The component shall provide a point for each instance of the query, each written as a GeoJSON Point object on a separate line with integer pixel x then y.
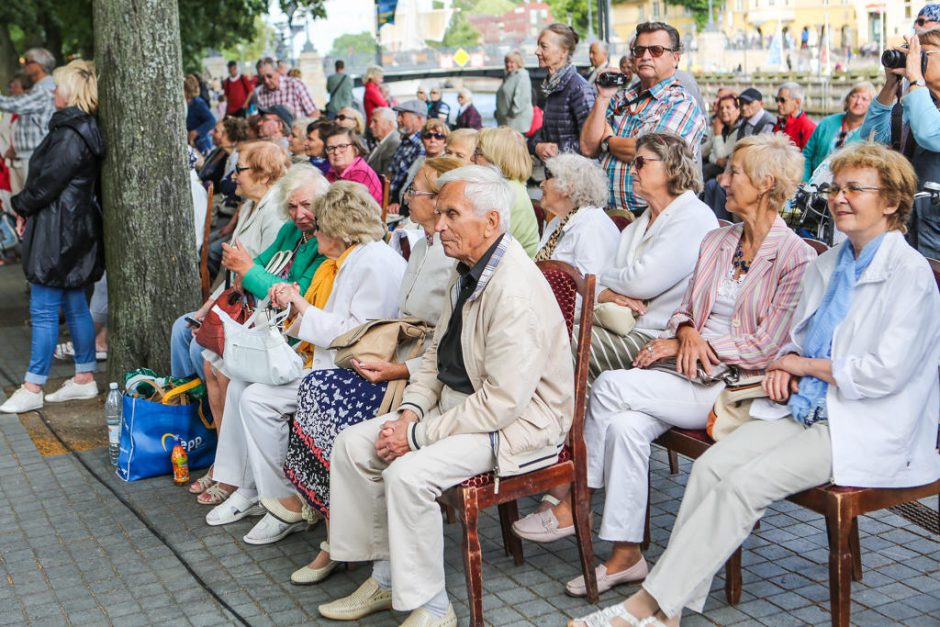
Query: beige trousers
{"type": "Point", "coordinates": [382, 511]}
{"type": "Point", "coordinates": [19, 170]}
{"type": "Point", "coordinates": [730, 488]}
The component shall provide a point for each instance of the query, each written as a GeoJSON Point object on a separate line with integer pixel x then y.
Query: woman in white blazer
{"type": "Point", "coordinates": [853, 399]}
{"type": "Point", "coordinates": [359, 281]}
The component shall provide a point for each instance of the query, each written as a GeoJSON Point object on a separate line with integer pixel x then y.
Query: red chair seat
{"type": "Point", "coordinates": [696, 434]}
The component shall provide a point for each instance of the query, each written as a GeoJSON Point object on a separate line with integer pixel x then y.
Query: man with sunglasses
{"type": "Point", "coordinates": [928, 18]}
{"type": "Point", "coordinates": [411, 117]}
{"type": "Point", "coordinates": [657, 103]}
{"type": "Point", "coordinates": [791, 119]}
{"type": "Point", "coordinates": [283, 90]}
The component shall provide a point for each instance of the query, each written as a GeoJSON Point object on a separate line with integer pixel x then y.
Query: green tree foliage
{"type": "Point", "coordinates": [699, 9]}
{"type": "Point", "coordinates": [493, 7]}
{"type": "Point", "coordinates": [343, 45]}
{"type": "Point", "coordinates": [460, 32]}
{"type": "Point", "coordinates": [578, 11]}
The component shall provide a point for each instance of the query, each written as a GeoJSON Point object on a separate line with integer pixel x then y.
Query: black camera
{"type": "Point", "coordinates": [611, 79]}
{"type": "Point", "coordinates": [897, 59]}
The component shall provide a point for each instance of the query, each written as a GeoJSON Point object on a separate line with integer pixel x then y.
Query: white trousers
{"type": "Point", "coordinates": [730, 488]}
{"type": "Point", "coordinates": [627, 411]}
{"type": "Point", "coordinates": [254, 436]}
{"type": "Point", "coordinates": [381, 511]}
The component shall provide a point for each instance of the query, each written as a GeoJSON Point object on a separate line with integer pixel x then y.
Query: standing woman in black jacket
{"type": "Point", "coordinates": [62, 241]}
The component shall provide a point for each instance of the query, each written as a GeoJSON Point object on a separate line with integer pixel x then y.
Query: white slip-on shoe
{"type": "Point", "coordinates": [306, 575]}
{"type": "Point", "coordinates": [368, 598]}
{"type": "Point", "coordinates": [71, 391]}
{"type": "Point", "coordinates": [22, 401]}
{"type": "Point", "coordinates": [270, 529]}
{"type": "Point", "coordinates": [423, 618]}
{"type": "Point", "coordinates": [233, 509]}
{"type": "Point", "coordinates": [605, 581]}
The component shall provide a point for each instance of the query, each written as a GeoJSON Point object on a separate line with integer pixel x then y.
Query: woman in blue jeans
{"type": "Point", "coordinates": [60, 219]}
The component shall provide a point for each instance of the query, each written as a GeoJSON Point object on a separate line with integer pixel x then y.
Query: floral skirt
{"type": "Point", "coordinates": [328, 402]}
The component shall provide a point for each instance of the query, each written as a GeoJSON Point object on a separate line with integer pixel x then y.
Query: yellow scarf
{"type": "Point", "coordinates": [321, 286]}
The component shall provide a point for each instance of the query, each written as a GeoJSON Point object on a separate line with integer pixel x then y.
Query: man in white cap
{"type": "Point", "coordinates": [412, 115]}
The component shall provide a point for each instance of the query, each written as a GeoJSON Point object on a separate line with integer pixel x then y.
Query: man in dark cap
{"type": "Point", "coordinates": [276, 122]}
{"type": "Point", "coordinates": [756, 120]}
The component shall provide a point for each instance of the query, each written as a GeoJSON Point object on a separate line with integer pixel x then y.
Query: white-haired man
{"type": "Point", "coordinates": [383, 128]}
{"type": "Point", "coordinates": [791, 119]}
{"type": "Point", "coordinates": [494, 392]}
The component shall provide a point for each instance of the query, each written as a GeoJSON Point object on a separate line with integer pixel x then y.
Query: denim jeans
{"type": "Point", "coordinates": [44, 304]}
{"type": "Point", "coordinates": [185, 354]}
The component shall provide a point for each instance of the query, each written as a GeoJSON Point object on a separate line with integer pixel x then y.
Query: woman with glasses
{"type": "Point", "coordinates": [345, 152]}
{"type": "Point", "coordinates": [351, 119]}
{"type": "Point", "coordinates": [331, 400]}
{"type": "Point", "coordinates": [838, 129]}
{"type": "Point", "coordinates": [735, 316]}
{"type": "Point", "coordinates": [567, 97]}
{"type": "Point", "coordinates": [506, 149]}
{"type": "Point", "coordinates": [434, 138]}
{"type": "Point", "coordinates": [852, 397]}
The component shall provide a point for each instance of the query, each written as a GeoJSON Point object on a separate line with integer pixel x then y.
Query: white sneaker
{"type": "Point", "coordinates": [22, 401]}
{"type": "Point", "coordinates": [270, 529]}
{"type": "Point", "coordinates": [71, 391]}
{"type": "Point", "coordinates": [234, 509]}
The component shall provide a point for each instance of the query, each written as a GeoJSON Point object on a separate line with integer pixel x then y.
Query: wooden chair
{"type": "Point", "coordinates": [621, 217]}
{"type": "Point", "coordinates": [478, 492]}
{"type": "Point", "coordinates": [539, 216]}
{"type": "Point", "coordinates": [386, 190]}
{"type": "Point", "coordinates": [815, 244]}
{"type": "Point", "coordinates": [204, 278]}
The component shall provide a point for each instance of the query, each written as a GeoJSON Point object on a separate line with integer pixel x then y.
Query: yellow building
{"type": "Point", "coordinates": [627, 14]}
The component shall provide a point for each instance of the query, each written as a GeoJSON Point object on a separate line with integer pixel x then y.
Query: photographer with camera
{"type": "Point", "coordinates": [657, 103]}
{"type": "Point", "coordinates": [909, 121]}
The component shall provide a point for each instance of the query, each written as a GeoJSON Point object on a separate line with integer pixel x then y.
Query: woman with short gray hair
{"type": "Point", "coordinates": [514, 96]}
{"type": "Point", "coordinates": [838, 129]}
{"type": "Point", "coordinates": [467, 115]}
{"type": "Point", "coordinates": [575, 191]}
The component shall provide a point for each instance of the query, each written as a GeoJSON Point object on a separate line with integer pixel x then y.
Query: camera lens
{"type": "Point", "coordinates": [894, 59]}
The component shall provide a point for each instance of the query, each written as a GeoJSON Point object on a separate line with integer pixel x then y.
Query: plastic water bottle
{"type": "Point", "coordinates": [113, 407]}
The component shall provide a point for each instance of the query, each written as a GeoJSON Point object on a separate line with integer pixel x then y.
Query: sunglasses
{"type": "Point", "coordinates": [437, 136]}
{"type": "Point", "coordinates": [920, 21]}
{"type": "Point", "coordinates": [337, 147]}
{"type": "Point", "coordinates": [781, 100]}
{"type": "Point", "coordinates": [655, 51]}
{"type": "Point", "coordinates": [639, 162]}
{"type": "Point", "coordinates": [241, 168]}
{"type": "Point", "coordinates": [342, 117]}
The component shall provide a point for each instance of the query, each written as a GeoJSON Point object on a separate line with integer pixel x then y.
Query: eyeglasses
{"type": "Point", "coordinates": [849, 191]}
{"type": "Point", "coordinates": [655, 51]}
{"type": "Point", "coordinates": [430, 135]}
{"type": "Point", "coordinates": [241, 168]}
{"type": "Point", "coordinates": [411, 193]}
{"type": "Point", "coordinates": [639, 162]}
{"type": "Point", "coordinates": [337, 147]}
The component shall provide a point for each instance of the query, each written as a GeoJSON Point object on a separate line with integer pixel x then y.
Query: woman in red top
{"type": "Point", "coordinates": [373, 96]}
{"type": "Point", "coordinates": [344, 151]}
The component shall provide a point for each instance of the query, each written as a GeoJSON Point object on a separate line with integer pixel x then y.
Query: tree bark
{"type": "Point", "coordinates": [9, 61]}
{"type": "Point", "coordinates": [148, 210]}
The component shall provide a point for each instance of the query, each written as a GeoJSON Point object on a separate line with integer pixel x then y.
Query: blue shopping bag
{"type": "Point", "coordinates": [149, 429]}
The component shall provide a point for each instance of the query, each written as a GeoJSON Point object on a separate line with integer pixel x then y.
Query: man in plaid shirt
{"type": "Point", "coordinates": [284, 90]}
{"type": "Point", "coordinates": [411, 117]}
{"type": "Point", "coordinates": [35, 109]}
{"type": "Point", "coordinates": [657, 103]}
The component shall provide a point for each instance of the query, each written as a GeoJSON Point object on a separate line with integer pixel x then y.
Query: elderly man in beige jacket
{"type": "Point", "coordinates": [494, 392]}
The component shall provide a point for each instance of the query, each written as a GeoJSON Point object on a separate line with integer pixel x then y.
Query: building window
{"type": "Point", "coordinates": [642, 13]}
{"type": "Point", "coordinates": [655, 9]}
{"type": "Point", "coordinates": [739, 5]}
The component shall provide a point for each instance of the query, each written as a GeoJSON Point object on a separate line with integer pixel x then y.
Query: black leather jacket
{"type": "Point", "coordinates": [64, 245]}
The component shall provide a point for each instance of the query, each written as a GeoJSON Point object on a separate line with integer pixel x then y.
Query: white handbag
{"type": "Point", "coordinates": [611, 316]}
{"type": "Point", "coordinates": [259, 354]}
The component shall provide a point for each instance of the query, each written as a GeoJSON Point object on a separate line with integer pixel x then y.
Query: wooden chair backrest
{"type": "Point", "coordinates": [204, 278]}
{"type": "Point", "coordinates": [567, 284]}
{"type": "Point", "coordinates": [386, 190]}
{"type": "Point", "coordinates": [935, 266]}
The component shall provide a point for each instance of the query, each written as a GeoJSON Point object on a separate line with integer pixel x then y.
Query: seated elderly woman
{"type": "Point", "coordinates": [297, 139]}
{"type": "Point", "coordinates": [507, 150]}
{"type": "Point", "coordinates": [581, 234]}
{"type": "Point", "coordinates": [359, 282]}
{"type": "Point", "coordinates": [345, 151]}
{"type": "Point", "coordinates": [261, 165]}
{"type": "Point", "coordinates": [332, 400]}
{"type": "Point", "coordinates": [314, 145]}
{"type": "Point", "coordinates": [461, 144]}
{"type": "Point", "coordinates": [351, 119]}
{"type": "Point", "coordinates": [735, 315]}
{"type": "Point", "coordinates": [434, 136]}
{"type": "Point", "coordinates": [865, 346]}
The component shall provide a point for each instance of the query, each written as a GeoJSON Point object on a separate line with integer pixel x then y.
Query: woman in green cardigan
{"type": "Point", "coordinates": [838, 129]}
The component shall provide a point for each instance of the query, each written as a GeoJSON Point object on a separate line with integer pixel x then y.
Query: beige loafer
{"type": "Point", "coordinates": [369, 598]}
{"type": "Point", "coordinates": [423, 618]}
{"type": "Point", "coordinates": [307, 576]}
{"type": "Point", "coordinates": [605, 581]}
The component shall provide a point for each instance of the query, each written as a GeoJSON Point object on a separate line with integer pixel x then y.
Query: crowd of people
{"type": "Point", "coordinates": [676, 213]}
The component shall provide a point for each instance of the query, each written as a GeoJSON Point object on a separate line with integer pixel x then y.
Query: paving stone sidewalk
{"type": "Point", "coordinates": [72, 553]}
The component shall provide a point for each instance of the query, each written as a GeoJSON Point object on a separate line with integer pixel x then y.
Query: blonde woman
{"type": "Point", "coordinates": [461, 144]}
{"type": "Point", "coordinates": [62, 240]}
{"type": "Point", "coordinates": [507, 150]}
{"type": "Point", "coordinates": [372, 99]}
{"type": "Point", "coordinates": [351, 119]}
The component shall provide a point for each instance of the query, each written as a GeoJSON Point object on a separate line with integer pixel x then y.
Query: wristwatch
{"type": "Point", "coordinates": [605, 144]}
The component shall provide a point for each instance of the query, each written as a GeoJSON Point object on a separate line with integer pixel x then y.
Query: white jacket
{"type": "Point", "coordinates": [366, 288]}
{"type": "Point", "coordinates": [655, 265]}
{"type": "Point", "coordinates": [589, 241]}
{"type": "Point", "coordinates": [885, 354]}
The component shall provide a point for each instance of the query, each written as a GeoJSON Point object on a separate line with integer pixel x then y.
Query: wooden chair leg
{"type": "Point", "coordinates": [581, 506]}
{"type": "Point", "coordinates": [472, 557]}
{"type": "Point", "coordinates": [646, 529]}
{"type": "Point", "coordinates": [856, 547]}
{"type": "Point", "coordinates": [840, 566]}
{"type": "Point", "coordinates": [673, 463]}
{"type": "Point", "coordinates": [733, 577]}
{"type": "Point", "coordinates": [512, 545]}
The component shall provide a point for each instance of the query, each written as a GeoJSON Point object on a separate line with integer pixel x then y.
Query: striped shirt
{"type": "Point", "coordinates": [666, 106]}
{"type": "Point", "coordinates": [35, 109]}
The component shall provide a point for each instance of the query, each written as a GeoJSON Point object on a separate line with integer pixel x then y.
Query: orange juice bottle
{"type": "Point", "coordinates": [180, 461]}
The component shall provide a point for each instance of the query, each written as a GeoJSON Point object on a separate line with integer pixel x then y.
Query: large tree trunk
{"type": "Point", "coordinates": [148, 209]}
{"type": "Point", "coordinates": [9, 62]}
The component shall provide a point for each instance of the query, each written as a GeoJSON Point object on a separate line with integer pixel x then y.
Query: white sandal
{"type": "Point", "coordinates": [602, 618]}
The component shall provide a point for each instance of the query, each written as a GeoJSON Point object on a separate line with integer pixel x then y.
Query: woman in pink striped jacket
{"type": "Point", "coordinates": [736, 314]}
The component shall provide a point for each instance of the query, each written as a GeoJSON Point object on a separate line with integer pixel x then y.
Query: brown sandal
{"type": "Point", "coordinates": [215, 494]}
